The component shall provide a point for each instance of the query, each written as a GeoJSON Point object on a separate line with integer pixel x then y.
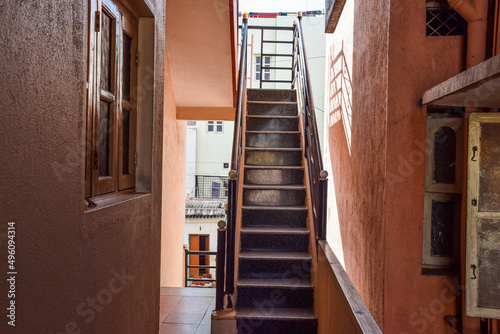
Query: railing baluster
{"type": "Point", "coordinates": [221, 250]}
{"type": "Point", "coordinates": [317, 176]}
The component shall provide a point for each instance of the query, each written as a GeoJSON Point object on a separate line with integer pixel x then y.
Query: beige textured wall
{"type": "Point", "coordinates": [65, 256]}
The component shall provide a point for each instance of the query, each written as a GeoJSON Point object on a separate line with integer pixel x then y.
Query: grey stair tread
{"type": "Point", "coordinates": [274, 167]}
{"type": "Point", "coordinates": [273, 132]}
{"type": "Point", "coordinates": [270, 90]}
{"type": "Point", "coordinates": [275, 283]}
{"type": "Point", "coordinates": [272, 116]}
{"type": "Point", "coordinates": [274, 230]}
{"type": "Point", "coordinates": [290, 149]}
{"type": "Point", "coordinates": [272, 102]}
{"type": "Point", "coordinates": [273, 187]}
{"type": "Point", "coordinates": [276, 313]}
{"type": "Point", "coordinates": [275, 256]}
{"type": "Point", "coordinates": [290, 208]}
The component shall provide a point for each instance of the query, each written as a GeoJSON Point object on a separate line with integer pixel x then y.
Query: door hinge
{"type": "Point", "coordinates": [135, 159]}
{"type": "Point", "coordinates": [96, 160]}
{"type": "Point", "coordinates": [137, 58]}
{"type": "Point", "coordinates": [97, 27]}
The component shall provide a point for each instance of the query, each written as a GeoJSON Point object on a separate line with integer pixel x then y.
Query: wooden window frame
{"type": "Point", "coordinates": [123, 22]}
{"type": "Point", "coordinates": [433, 126]}
{"type": "Point", "coordinates": [441, 192]}
{"type": "Point", "coordinates": [441, 262]}
{"type": "Point", "coordinates": [473, 215]}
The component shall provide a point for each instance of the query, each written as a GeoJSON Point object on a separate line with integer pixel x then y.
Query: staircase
{"type": "Point", "coordinates": [274, 289]}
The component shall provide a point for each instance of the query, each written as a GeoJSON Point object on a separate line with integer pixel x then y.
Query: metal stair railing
{"type": "Point", "coordinates": [226, 239]}
{"type": "Point", "coordinates": [317, 177]}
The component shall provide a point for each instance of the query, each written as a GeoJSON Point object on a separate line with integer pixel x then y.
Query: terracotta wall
{"type": "Point", "coordinates": [357, 147]}
{"type": "Point", "coordinates": [377, 172]}
{"type": "Point", "coordinates": [338, 306]}
{"type": "Point", "coordinates": [413, 303]}
{"type": "Point", "coordinates": [66, 257]}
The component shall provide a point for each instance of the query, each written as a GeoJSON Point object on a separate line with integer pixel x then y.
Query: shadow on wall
{"type": "Point", "coordinates": [339, 142]}
{"type": "Point", "coordinates": [340, 93]}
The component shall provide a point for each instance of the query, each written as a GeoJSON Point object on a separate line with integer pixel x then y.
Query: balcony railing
{"type": "Point", "coordinates": [203, 270]}
{"type": "Point", "coordinates": [208, 186]}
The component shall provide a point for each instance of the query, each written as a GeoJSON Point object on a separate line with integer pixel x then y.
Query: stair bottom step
{"type": "Point", "coordinates": [261, 326]}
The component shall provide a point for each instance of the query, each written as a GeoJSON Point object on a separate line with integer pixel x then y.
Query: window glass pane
{"type": "Point", "coordinates": [219, 127]}
{"type": "Point", "coordinates": [267, 75]}
{"type": "Point", "coordinates": [215, 189]}
{"type": "Point", "coordinates": [210, 126]}
{"type": "Point", "coordinates": [104, 129]}
{"type": "Point", "coordinates": [125, 141]}
{"type": "Point", "coordinates": [443, 218]}
{"type": "Point", "coordinates": [257, 59]}
{"type": "Point", "coordinates": [106, 52]}
{"type": "Point", "coordinates": [267, 60]}
{"type": "Point", "coordinates": [488, 270]}
{"type": "Point", "coordinates": [257, 68]}
{"type": "Point", "coordinates": [445, 143]}
{"type": "Point", "coordinates": [489, 175]}
{"type": "Point", "coordinates": [127, 45]}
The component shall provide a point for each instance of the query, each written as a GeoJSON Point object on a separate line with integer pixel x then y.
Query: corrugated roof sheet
{"type": "Point", "coordinates": [205, 208]}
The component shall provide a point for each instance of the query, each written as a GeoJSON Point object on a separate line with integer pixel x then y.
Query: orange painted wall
{"type": "Point", "coordinates": [358, 175]}
{"type": "Point", "coordinates": [173, 185]}
{"type": "Point", "coordinates": [378, 170]}
{"type": "Point", "coordinates": [413, 303]}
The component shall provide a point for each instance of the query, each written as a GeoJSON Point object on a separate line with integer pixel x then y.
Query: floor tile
{"type": "Point", "coordinates": [166, 308]}
{"type": "Point", "coordinates": [184, 318]}
{"type": "Point", "coordinates": [178, 329]}
{"type": "Point", "coordinates": [190, 308]}
{"type": "Point", "coordinates": [186, 310]}
{"type": "Point", "coordinates": [163, 316]}
{"type": "Point", "coordinates": [203, 329]}
{"type": "Point", "coordinates": [195, 300]}
{"type": "Point", "coordinates": [207, 318]}
{"type": "Point", "coordinates": [170, 299]}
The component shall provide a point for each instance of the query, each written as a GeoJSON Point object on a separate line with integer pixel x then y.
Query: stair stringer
{"type": "Point", "coordinates": [239, 204]}
{"type": "Point", "coordinates": [313, 251]}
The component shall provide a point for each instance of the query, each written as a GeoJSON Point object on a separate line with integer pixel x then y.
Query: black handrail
{"type": "Point", "coordinates": [235, 165]}
{"type": "Point", "coordinates": [318, 181]}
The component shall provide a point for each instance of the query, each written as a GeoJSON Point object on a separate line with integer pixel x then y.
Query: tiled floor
{"type": "Point", "coordinates": [186, 310]}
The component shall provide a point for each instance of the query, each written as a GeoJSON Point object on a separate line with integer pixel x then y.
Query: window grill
{"type": "Point", "coordinates": [211, 186]}
{"type": "Point", "coordinates": [444, 22]}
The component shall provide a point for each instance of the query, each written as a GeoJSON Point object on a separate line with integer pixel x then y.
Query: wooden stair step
{"type": "Point", "coordinates": [274, 230]}
{"type": "Point", "coordinates": [295, 256]}
{"type": "Point", "coordinates": [290, 314]}
{"type": "Point", "coordinates": [288, 283]}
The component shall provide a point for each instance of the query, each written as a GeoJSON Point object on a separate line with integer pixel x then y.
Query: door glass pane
{"type": "Point", "coordinates": [127, 46]}
{"type": "Point", "coordinates": [203, 258]}
{"type": "Point", "coordinates": [488, 271]}
{"type": "Point", "coordinates": [443, 218]}
{"type": "Point", "coordinates": [445, 143]}
{"type": "Point", "coordinates": [125, 141]}
{"type": "Point", "coordinates": [106, 51]}
{"type": "Point", "coordinates": [489, 175]}
{"type": "Point", "coordinates": [104, 129]}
